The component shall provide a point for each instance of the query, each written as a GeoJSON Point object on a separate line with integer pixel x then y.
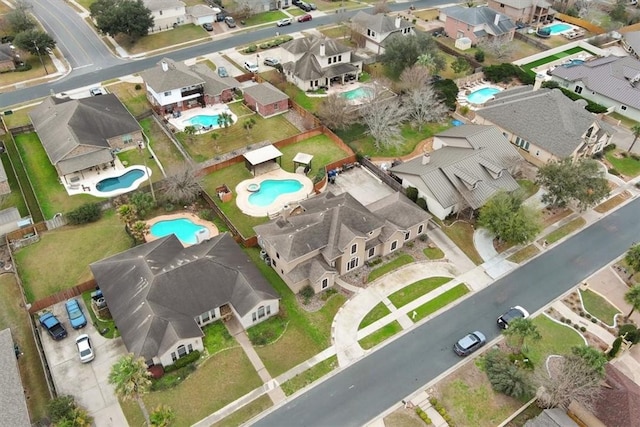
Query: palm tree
{"type": "Point", "coordinates": [632, 258]}
{"type": "Point", "coordinates": [635, 130]}
{"type": "Point", "coordinates": [183, 186]}
{"type": "Point", "coordinates": [633, 297]}
{"type": "Point", "coordinates": [128, 214]}
{"type": "Point", "coordinates": [190, 131]}
{"type": "Point", "coordinates": [518, 332]}
{"type": "Point", "coordinates": [225, 120]}
{"type": "Point", "coordinates": [131, 380]}
{"type": "Point", "coordinates": [162, 416]}
{"type": "Point", "coordinates": [139, 230]}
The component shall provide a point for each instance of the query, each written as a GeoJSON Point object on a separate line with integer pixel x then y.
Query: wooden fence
{"type": "Point", "coordinates": [62, 296]}
{"type": "Point", "coordinates": [246, 242]}
{"type": "Point", "coordinates": [451, 51]}
{"type": "Point", "coordinates": [592, 28]}
{"type": "Point", "coordinates": [530, 40]}
{"type": "Point", "coordinates": [22, 129]}
{"type": "Point", "coordinates": [384, 177]}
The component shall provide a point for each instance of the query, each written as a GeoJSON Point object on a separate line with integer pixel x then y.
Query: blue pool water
{"type": "Point", "coordinates": [270, 189]}
{"type": "Point", "coordinates": [204, 121]}
{"type": "Point", "coordinates": [184, 228]}
{"type": "Point", "coordinates": [356, 94]}
{"type": "Point", "coordinates": [456, 122]}
{"type": "Point", "coordinates": [481, 96]}
{"type": "Point", "coordinates": [558, 28]}
{"type": "Point", "coordinates": [119, 182]}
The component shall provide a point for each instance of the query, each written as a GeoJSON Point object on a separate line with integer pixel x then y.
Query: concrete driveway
{"type": "Point", "coordinates": [86, 382]}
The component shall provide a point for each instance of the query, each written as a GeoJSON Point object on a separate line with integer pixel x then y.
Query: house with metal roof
{"type": "Point", "coordinates": [527, 12]}
{"type": "Point", "coordinates": [630, 40]}
{"type": "Point", "coordinates": [161, 294]}
{"type": "Point", "coordinates": [477, 24]}
{"type": "Point", "coordinates": [610, 81]}
{"type": "Point", "coordinates": [327, 236]}
{"type": "Point", "coordinates": [313, 62]}
{"type": "Point", "coordinates": [468, 165]}
{"type": "Point", "coordinates": [172, 86]}
{"type": "Point", "coordinates": [374, 30]}
{"type": "Point", "coordinates": [266, 99]}
{"type": "Point", "coordinates": [83, 134]}
{"type": "Point", "coordinates": [12, 394]}
{"type": "Point", "coordinates": [546, 125]}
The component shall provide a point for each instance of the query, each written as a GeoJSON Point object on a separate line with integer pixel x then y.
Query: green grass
{"type": "Point", "coordinates": [165, 39]}
{"type": "Point", "coordinates": [598, 306]}
{"type": "Point", "coordinates": [433, 253]}
{"type": "Point", "coordinates": [264, 18]}
{"type": "Point", "coordinates": [529, 188]}
{"type": "Point", "coordinates": [217, 338]}
{"type": "Point", "coordinates": [556, 339]}
{"type": "Point", "coordinates": [564, 231]}
{"type": "Point", "coordinates": [135, 100]}
{"type": "Point", "coordinates": [61, 258]}
{"type": "Point", "coordinates": [415, 290]}
{"type": "Point", "coordinates": [627, 166]}
{"type": "Point", "coordinates": [14, 198]}
{"type": "Point", "coordinates": [376, 313]}
{"type": "Point", "coordinates": [321, 147]}
{"type": "Point", "coordinates": [440, 301]}
{"type": "Point", "coordinates": [298, 96]}
{"type": "Point", "coordinates": [336, 32]}
{"type": "Point", "coordinates": [392, 265]}
{"type": "Point", "coordinates": [245, 413]}
{"type": "Point", "coordinates": [462, 235]}
{"type": "Point", "coordinates": [268, 331]}
{"type": "Point", "coordinates": [380, 335]}
{"type": "Point", "coordinates": [528, 67]}
{"type": "Point", "coordinates": [524, 254]}
{"type": "Point", "coordinates": [625, 121]}
{"type": "Point", "coordinates": [309, 376]}
{"type": "Point", "coordinates": [170, 157]}
{"type": "Point", "coordinates": [22, 178]}
{"type": "Point", "coordinates": [100, 324]}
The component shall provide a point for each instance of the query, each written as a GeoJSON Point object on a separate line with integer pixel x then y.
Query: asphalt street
{"type": "Point", "coordinates": [360, 392]}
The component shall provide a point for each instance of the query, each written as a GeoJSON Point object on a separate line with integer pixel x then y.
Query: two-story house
{"type": "Point", "coordinates": [631, 41]}
{"type": "Point", "coordinates": [546, 125]}
{"type": "Point", "coordinates": [172, 86]}
{"type": "Point", "coordinates": [166, 13]}
{"type": "Point", "coordinates": [327, 236]}
{"type": "Point", "coordinates": [312, 62]}
{"type": "Point", "coordinates": [525, 12]}
{"type": "Point", "coordinates": [478, 24]}
{"type": "Point", "coordinates": [374, 30]}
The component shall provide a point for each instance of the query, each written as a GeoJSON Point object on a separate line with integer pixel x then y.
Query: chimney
{"type": "Point", "coordinates": [398, 21]}
{"type": "Point", "coordinates": [322, 49]}
{"type": "Point", "coordinates": [426, 158]}
{"type": "Point", "coordinates": [165, 66]}
{"type": "Point", "coordinates": [496, 19]}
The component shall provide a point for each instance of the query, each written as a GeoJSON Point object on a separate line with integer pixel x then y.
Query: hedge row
{"type": "Point", "coordinates": [268, 44]}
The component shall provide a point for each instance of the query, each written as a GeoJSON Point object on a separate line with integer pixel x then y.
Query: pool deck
{"type": "Point", "coordinates": [542, 69]}
{"type": "Point", "coordinates": [88, 179]}
{"type": "Point", "coordinates": [213, 230]}
{"type": "Point", "coordinates": [242, 194]}
{"type": "Point", "coordinates": [472, 87]}
{"type": "Point", "coordinates": [209, 110]}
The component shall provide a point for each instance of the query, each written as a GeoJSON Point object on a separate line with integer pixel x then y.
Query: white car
{"type": "Point", "coordinates": [283, 22]}
{"type": "Point", "coordinates": [251, 66]}
{"type": "Point", "coordinates": [85, 350]}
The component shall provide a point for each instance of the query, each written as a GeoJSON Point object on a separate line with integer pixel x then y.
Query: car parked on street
{"type": "Point", "coordinates": [283, 22]}
{"type": "Point", "coordinates": [85, 349]}
{"type": "Point", "coordinates": [516, 312]}
{"type": "Point", "coordinates": [222, 72]}
{"type": "Point", "coordinates": [76, 316]}
{"type": "Point", "coordinates": [208, 26]}
{"type": "Point", "coordinates": [271, 62]}
{"type": "Point", "coordinates": [251, 66]}
{"type": "Point", "coordinates": [305, 18]}
{"type": "Point", "coordinates": [231, 23]}
{"type": "Point", "coordinates": [96, 91]}
{"type": "Point", "coordinates": [53, 326]}
{"type": "Point", "coordinates": [469, 343]}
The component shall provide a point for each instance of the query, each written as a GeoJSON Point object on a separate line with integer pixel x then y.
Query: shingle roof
{"type": "Point", "coordinates": [380, 23]}
{"type": "Point", "coordinates": [14, 411]}
{"type": "Point", "coordinates": [265, 93]}
{"type": "Point", "coordinates": [619, 400]}
{"type": "Point", "coordinates": [609, 76]}
{"type": "Point", "coordinates": [312, 44]}
{"type": "Point", "coordinates": [155, 290]}
{"type": "Point", "coordinates": [551, 418]}
{"type": "Point", "coordinates": [544, 117]}
{"type": "Point", "coordinates": [200, 10]}
{"type": "Point", "coordinates": [74, 133]}
{"type": "Point", "coordinates": [480, 16]}
{"type": "Point", "coordinates": [632, 38]}
{"type": "Point", "coordinates": [474, 172]}
{"type": "Point", "coordinates": [523, 4]}
{"type": "Point", "coordinates": [162, 4]}
{"type": "Point", "coordinates": [213, 83]}
{"type": "Point", "coordinates": [177, 75]}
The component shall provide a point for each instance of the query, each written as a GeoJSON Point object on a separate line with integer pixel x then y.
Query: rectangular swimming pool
{"type": "Point", "coordinates": [558, 28]}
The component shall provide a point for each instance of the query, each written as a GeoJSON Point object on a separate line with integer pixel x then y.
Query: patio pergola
{"type": "Point", "coordinates": [262, 160]}
{"type": "Point", "coordinates": [302, 160]}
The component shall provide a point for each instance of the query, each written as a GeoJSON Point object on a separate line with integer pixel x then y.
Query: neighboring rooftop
{"type": "Point", "coordinates": [481, 15]}
{"type": "Point", "coordinates": [619, 400]}
{"type": "Point", "coordinates": [381, 23]}
{"type": "Point", "coordinates": [14, 411]}
{"type": "Point", "coordinates": [265, 93]}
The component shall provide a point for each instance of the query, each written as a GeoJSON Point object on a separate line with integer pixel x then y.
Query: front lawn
{"type": "Point", "coordinates": [598, 307]}
{"type": "Point", "coordinates": [433, 253]}
{"type": "Point", "coordinates": [376, 313]}
{"type": "Point", "coordinates": [415, 290]}
{"type": "Point", "coordinates": [623, 163]}
{"type": "Point", "coordinates": [556, 339]}
{"type": "Point", "coordinates": [380, 335]}
{"type": "Point", "coordinates": [524, 254]}
{"type": "Point", "coordinates": [61, 258]}
{"type": "Point", "coordinates": [245, 413]}
{"type": "Point", "coordinates": [264, 18]}
{"type": "Point", "coordinates": [440, 301]}
{"type": "Point", "coordinates": [217, 338]}
{"type": "Point", "coordinates": [563, 231]}
{"type": "Point", "coordinates": [612, 202]}
{"type": "Point", "coordinates": [462, 235]}
{"type": "Point", "coordinates": [394, 264]}
{"type": "Point", "coordinates": [529, 188]}
{"type": "Point", "coordinates": [164, 39]}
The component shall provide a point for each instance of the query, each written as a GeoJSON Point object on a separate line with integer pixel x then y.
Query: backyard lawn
{"type": "Point", "coordinates": [134, 99]}
{"type": "Point", "coordinates": [14, 198]}
{"type": "Point", "coordinates": [321, 147]}
{"type": "Point", "coordinates": [167, 153]}
{"type": "Point", "coordinates": [61, 258]}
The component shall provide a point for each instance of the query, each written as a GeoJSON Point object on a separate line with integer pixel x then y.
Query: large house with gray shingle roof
{"type": "Point", "coordinates": [469, 164]}
{"type": "Point", "coordinates": [611, 81]}
{"type": "Point", "coordinates": [476, 23]}
{"type": "Point", "coordinates": [173, 86]}
{"type": "Point", "coordinates": [376, 29]}
{"type": "Point", "coordinates": [546, 125]}
{"type": "Point", "coordinates": [530, 12]}
{"type": "Point", "coordinates": [313, 62]}
{"type": "Point", "coordinates": [327, 236]}
{"type": "Point", "coordinates": [161, 294]}
{"type": "Point", "coordinates": [81, 134]}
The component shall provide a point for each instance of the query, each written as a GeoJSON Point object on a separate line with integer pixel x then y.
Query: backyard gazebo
{"type": "Point", "coordinates": [263, 159]}
{"type": "Point", "coordinates": [302, 161]}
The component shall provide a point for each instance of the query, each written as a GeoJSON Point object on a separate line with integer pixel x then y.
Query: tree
{"type": "Point", "coordinates": [519, 331]}
{"type": "Point", "coordinates": [432, 61]}
{"type": "Point", "coordinates": [19, 18]}
{"type": "Point", "coordinates": [139, 230]}
{"type": "Point", "coordinates": [414, 77]}
{"type": "Point", "coordinates": [225, 120]}
{"type": "Point", "coordinates": [498, 47]}
{"type": "Point", "coordinates": [635, 130]}
{"type": "Point", "coordinates": [381, 7]}
{"type": "Point", "coordinates": [128, 214]}
{"type": "Point", "coordinates": [34, 41]}
{"type": "Point", "coordinates": [143, 203]}
{"type": "Point", "coordinates": [460, 65]}
{"type": "Point", "coordinates": [448, 92]}
{"type": "Point", "coordinates": [248, 125]}
{"type": "Point", "coordinates": [336, 112]}
{"type": "Point", "coordinates": [162, 416]}
{"type": "Point", "coordinates": [129, 17]}
{"type": "Point", "coordinates": [243, 10]}
{"type": "Point", "coordinates": [183, 186]}
{"type": "Point", "coordinates": [402, 51]}
{"type": "Point", "coordinates": [130, 378]}
{"type": "Point", "coordinates": [509, 219]}
{"type": "Point", "coordinates": [632, 258]}
{"type": "Point", "coordinates": [632, 296]}
{"type": "Point", "coordinates": [592, 357]}
{"type": "Point", "coordinates": [64, 411]}
{"type": "Point", "coordinates": [619, 12]}
{"type": "Point", "coordinates": [504, 376]}
{"type": "Point", "coordinates": [190, 131]}
{"type": "Point", "coordinates": [383, 118]}
{"type": "Point", "coordinates": [582, 181]}
{"type": "Point", "coordinates": [424, 106]}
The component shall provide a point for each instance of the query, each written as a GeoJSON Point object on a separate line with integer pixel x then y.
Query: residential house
{"type": "Point", "coordinates": [4, 181]}
{"type": "Point", "coordinates": [555, 417]}
{"type": "Point", "coordinates": [545, 124]}
{"type": "Point", "coordinates": [612, 81]}
{"type": "Point", "coordinates": [468, 165]}
{"type": "Point", "coordinates": [266, 99]}
{"type": "Point", "coordinates": [8, 57]}
{"type": "Point", "coordinates": [312, 62]}
{"type": "Point", "coordinates": [525, 12]}
{"type": "Point", "coordinates": [329, 235]}
{"type": "Point", "coordinates": [200, 14]}
{"type": "Point", "coordinates": [12, 393]}
{"type": "Point", "coordinates": [161, 294]}
{"type": "Point", "coordinates": [83, 134]}
{"type": "Point", "coordinates": [167, 14]}
{"type": "Point", "coordinates": [374, 30]}
{"type": "Point", "coordinates": [631, 42]}
{"type": "Point", "coordinates": [173, 86]}
{"type": "Point", "coordinates": [10, 220]}
{"type": "Point", "coordinates": [478, 24]}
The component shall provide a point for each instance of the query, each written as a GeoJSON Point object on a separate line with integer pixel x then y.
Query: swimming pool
{"type": "Point", "coordinates": [481, 96]}
{"type": "Point", "coordinates": [356, 94]}
{"type": "Point", "coordinates": [558, 28]}
{"type": "Point", "coordinates": [270, 189]}
{"type": "Point", "coordinates": [185, 229]}
{"type": "Point", "coordinates": [204, 121]}
{"type": "Point", "coordinates": [119, 182]}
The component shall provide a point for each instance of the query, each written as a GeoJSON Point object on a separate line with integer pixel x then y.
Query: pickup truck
{"type": "Point", "coordinates": [53, 326]}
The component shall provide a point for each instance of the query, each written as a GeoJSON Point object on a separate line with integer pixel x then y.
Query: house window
{"type": "Point", "coordinates": [372, 252]}
{"type": "Point", "coordinates": [330, 59]}
{"type": "Point", "coordinates": [623, 107]}
{"type": "Point", "coordinates": [206, 317]}
{"type": "Point", "coordinates": [420, 228]}
{"type": "Point", "coordinates": [578, 89]}
{"type": "Point", "coordinates": [589, 131]}
{"type": "Point", "coordinates": [354, 248]}
{"type": "Point", "coordinates": [339, 58]}
{"type": "Point", "coordinates": [160, 12]}
{"type": "Point", "coordinates": [278, 255]}
{"type": "Point", "coordinates": [352, 264]}
{"type": "Point", "coordinates": [254, 317]}
{"type": "Point", "coordinates": [373, 33]}
{"type": "Point", "coordinates": [127, 139]}
{"type": "Point", "coordinates": [325, 283]}
{"type": "Point", "coordinates": [407, 234]}
{"type": "Point", "coordinates": [173, 356]}
{"type": "Point", "coordinates": [537, 152]}
{"type": "Point", "coordinates": [167, 93]}
{"type": "Point", "coordinates": [268, 310]}
{"type": "Point", "coordinates": [394, 245]}
{"type": "Point", "coordinates": [260, 312]}
{"type": "Point", "coordinates": [368, 32]}
{"type": "Point", "coordinates": [276, 106]}
{"type": "Point", "coordinates": [190, 348]}
{"type": "Point", "coordinates": [182, 351]}
{"type": "Point", "coordinates": [501, 4]}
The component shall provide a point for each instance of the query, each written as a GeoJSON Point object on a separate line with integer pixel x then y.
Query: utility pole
{"type": "Point", "coordinates": [40, 57]}
{"type": "Point", "coordinates": [144, 159]}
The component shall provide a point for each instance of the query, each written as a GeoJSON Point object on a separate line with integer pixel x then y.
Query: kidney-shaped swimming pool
{"type": "Point", "coordinates": [270, 189]}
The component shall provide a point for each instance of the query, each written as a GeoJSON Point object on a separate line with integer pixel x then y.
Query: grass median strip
{"type": "Point", "coordinates": [564, 231]}
{"type": "Point", "coordinates": [380, 335]}
{"type": "Point", "coordinates": [392, 265]}
{"type": "Point", "coordinates": [415, 290]}
{"type": "Point", "coordinates": [245, 413]}
{"type": "Point", "coordinates": [309, 376]}
{"type": "Point", "coordinates": [440, 301]}
{"type": "Point", "coordinates": [598, 307]}
{"type": "Point", "coordinates": [524, 254]}
{"type": "Point", "coordinates": [376, 313]}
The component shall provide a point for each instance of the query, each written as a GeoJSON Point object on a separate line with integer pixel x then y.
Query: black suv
{"type": "Point", "coordinates": [305, 6]}
{"type": "Point", "coordinates": [516, 312]}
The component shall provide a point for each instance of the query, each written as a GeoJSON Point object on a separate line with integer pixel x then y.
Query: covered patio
{"type": "Point", "coordinates": [302, 163]}
{"type": "Point", "coordinates": [263, 160]}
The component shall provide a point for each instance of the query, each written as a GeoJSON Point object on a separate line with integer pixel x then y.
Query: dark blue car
{"type": "Point", "coordinates": [76, 316]}
{"type": "Point", "coordinates": [53, 326]}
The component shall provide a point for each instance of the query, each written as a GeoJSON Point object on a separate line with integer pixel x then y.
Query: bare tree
{"type": "Point", "coordinates": [381, 7]}
{"type": "Point", "coordinates": [383, 117]}
{"type": "Point", "coordinates": [183, 186]}
{"type": "Point", "coordinates": [414, 77]}
{"type": "Point", "coordinates": [336, 112]}
{"type": "Point", "coordinates": [357, 34]}
{"type": "Point", "coordinates": [498, 47]}
{"type": "Point", "coordinates": [425, 106]}
{"type": "Point", "coordinates": [243, 10]}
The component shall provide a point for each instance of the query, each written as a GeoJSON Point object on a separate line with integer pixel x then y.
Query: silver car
{"type": "Point", "coordinates": [85, 349]}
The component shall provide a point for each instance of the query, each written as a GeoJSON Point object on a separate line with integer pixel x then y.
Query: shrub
{"type": "Point", "coordinates": [609, 147]}
{"type": "Point", "coordinates": [423, 237]}
{"type": "Point", "coordinates": [479, 55]}
{"type": "Point", "coordinates": [505, 377]}
{"type": "Point", "coordinates": [24, 67]}
{"type": "Point", "coordinates": [423, 415]}
{"type": "Point", "coordinates": [583, 328]}
{"type": "Point", "coordinates": [594, 320]}
{"type": "Point", "coordinates": [624, 154]}
{"type": "Point", "coordinates": [183, 361]}
{"type": "Point", "coordinates": [615, 348]}
{"type": "Point", "coordinates": [172, 377]}
{"type": "Point", "coordinates": [635, 157]}
{"type": "Point", "coordinates": [576, 326]}
{"type": "Point", "coordinates": [627, 329]}
{"type": "Point", "coordinates": [138, 86]}
{"type": "Point", "coordinates": [588, 315]}
{"type": "Point", "coordinates": [422, 203]}
{"type": "Point", "coordinates": [89, 212]}
{"type": "Point", "coordinates": [464, 110]}
{"type": "Point", "coordinates": [412, 193]}
{"type": "Point", "coordinates": [307, 293]}
{"type": "Point", "coordinates": [567, 321]}
{"type": "Point", "coordinates": [614, 171]}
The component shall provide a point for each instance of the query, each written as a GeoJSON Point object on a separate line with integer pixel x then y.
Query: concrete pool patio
{"type": "Point", "coordinates": [211, 110]}
{"type": "Point", "coordinates": [213, 230]}
{"type": "Point", "coordinates": [86, 182]}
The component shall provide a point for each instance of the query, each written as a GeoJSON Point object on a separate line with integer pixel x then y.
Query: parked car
{"type": "Point", "coordinates": [305, 18]}
{"type": "Point", "coordinates": [222, 72]}
{"type": "Point", "coordinates": [296, 2]}
{"type": "Point", "coordinates": [305, 6]}
{"type": "Point", "coordinates": [76, 316]}
{"type": "Point", "coordinates": [271, 62]}
{"type": "Point", "coordinates": [516, 312]}
{"type": "Point", "coordinates": [312, 6]}
{"type": "Point", "coordinates": [208, 26]}
{"type": "Point", "coordinates": [85, 349]}
{"type": "Point", "coordinates": [283, 22]}
{"type": "Point", "coordinates": [96, 91]}
{"type": "Point", "coordinates": [231, 23]}
{"type": "Point", "coordinates": [221, 16]}
{"type": "Point", "coordinates": [53, 326]}
{"type": "Point", "coordinates": [469, 343]}
{"type": "Point", "coordinates": [251, 66]}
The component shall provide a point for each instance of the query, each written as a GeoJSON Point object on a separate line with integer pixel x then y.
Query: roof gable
{"type": "Point", "coordinates": [170, 75]}
{"type": "Point", "coordinates": [381, 23]}
{"type": "Point", "coordinates": [482, 15]}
